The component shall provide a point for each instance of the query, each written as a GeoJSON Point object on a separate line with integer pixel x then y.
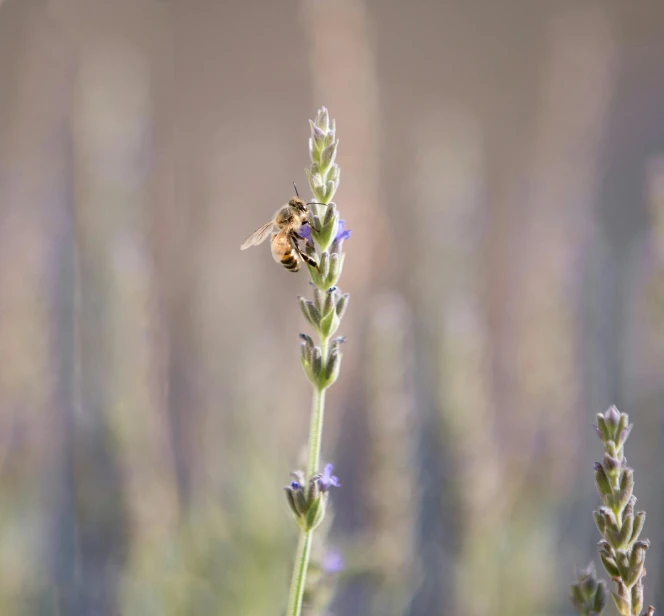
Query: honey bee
{"type": "Point", "coordinates": [287, 221]}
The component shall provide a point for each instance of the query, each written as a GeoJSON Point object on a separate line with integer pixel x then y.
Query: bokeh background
{"type": "Point", "coordinates": [503, 174]}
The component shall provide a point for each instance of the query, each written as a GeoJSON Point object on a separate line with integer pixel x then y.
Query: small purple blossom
{"type": "Point", "coordinates": [296, 485]}
{"type": "Point", "coordinates": [342, 232]}
{"type": "Point", "coordinates": [333, 561]}
{"type": "Point", "coordinates": [327, 479]}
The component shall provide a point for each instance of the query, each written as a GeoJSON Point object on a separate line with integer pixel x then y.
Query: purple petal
{"type": "Point", "coordinates": [327, 479]}
{"type": "Point", "coordinates": [333, 561]}
{"type": "Point", "coordinates": [342, 232]}
{"type": "Point", "coordinates": [305, 232]}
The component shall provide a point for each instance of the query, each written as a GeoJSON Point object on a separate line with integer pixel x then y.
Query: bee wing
{"type": "Point", "coordinates": [258, 236]}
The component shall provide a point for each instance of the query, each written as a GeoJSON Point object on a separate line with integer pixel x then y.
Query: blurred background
{"type": "Point", "coordinates": [503, 175]}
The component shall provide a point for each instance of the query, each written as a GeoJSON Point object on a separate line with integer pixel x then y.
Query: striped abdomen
{"type": "Point", "coordinates": [284, 252]}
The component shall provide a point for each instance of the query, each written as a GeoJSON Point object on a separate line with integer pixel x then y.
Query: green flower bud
{"type": "Point", "coordinates": [331, 298]}
{"type": "Point", "coordinates": [623, 435]}
{"type": "Point", "coordinates": [637, 596]}
{"type": "Point", "coordinates": [611, 465]}
{"type": "Point", "coordinates": [334, 173]}
{"type": "Point", "coordinates": [607, 556]}
{"type": "Point", "coordinates": [316, 364]}
{"type": "Point", "coordinates": [602, 481]}
{"type": "Point", "coordinates": [599, 600]}
{"type": "Point", "coordinates": [327, 157]}
{"type": "Point", "coordinates": [318, 298]}
{"type": "Point", "coordinates": [610, 565]}
{"type": "Point", "coordinates": [639, 521]}
{"type": "Point", "coordinates": [306, 348]}
{"type": "Point", "coordinates": [342, 304]}
{"type": "Point", "coordinates": [623, 605]}
{"type": "Point", "coordinates": [638, 555]}
{"type": "Point", "coordinates": [329, 324]}
{"type": "Point", "coordinates": [317, 135]}
{"type": "Point", "coordinates": [330, 189]}
{"type": "Point", "coordinates": [316, 512]}
{"type": "Point", "coordinates": [323, 119]}
{"type": "Point", "coordinates": [600, 522]}
{"type": "Point", "coordinates": [324, 268]}
{"type": "Point", "coordinates": [336, 265]}
{"type": "Point", "coordinates": [612, 417]}
{"type": "Point", "coordinates": [602, 429]}
{"type": "Point", "coordinates": [626, 530]}
{"type": "Point", "coordinates": [623, 423]}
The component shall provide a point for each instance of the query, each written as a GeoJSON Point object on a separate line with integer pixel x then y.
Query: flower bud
{"type": "Point", "coordinates": [307, 348]}
{"type": "Point", "coordinates": [332, 368]}
{"type": "Point", "coordinates": [599, 600]}
{"type": "Point", "coordinates": [342, 304]}
{"type": "Point", "coordinates": [639, 521]}
{"type": "Point", "coordinates": [623, 423]}
{"type": "Point", "coordinates": [329, 324]}
{"type": "Point", "coordinates": [330, 300]}
{"type": "Point", "coordinates": [336, 265]}
{"type": "Point", "coordinates": [611, 465]}
{"type": "Point", "coordinates": [600, 522]}
{"type": "Point", "coordinates": [612, 418]}
{"type": "Point", "coordinates": [623, 605]}
{"type": "Point", "coordinates": [610, 565]}
{"type": "Point", "coordinates": [334, 173]}
{"type": "Point", "coordinates": [318, 297]}
{"type": "Point", "coordinates": [602, 429]}
{"type": "Point", "coordinates": [316, 362]}
{"type": "Point", "coordinates": [626, 530]}
{"type": "Point", "coordinates": [327, 157]}
{"type": "Point", "coordinates": [330, 213]}
{"type": "Point", "coordinates": [624, 435]}
{"type": "Point", "coordinates": [323, 119]}
{"type": "Point", "coordinates": [317, 135]}
{"type": "Point", "coordinates": [602, 481]}
{"type": "Point", "coordinates": [637, 596]}
{"type": "Point", "coordinates": [324, 268]}
{"type": "Point", "coordinates": [638, 554]}
{"type": "Point", "coordinates": [331, 188]}
{"type": "Point", "coordinates": [316, 225]}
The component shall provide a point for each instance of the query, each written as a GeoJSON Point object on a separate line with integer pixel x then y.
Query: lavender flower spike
{"type": "Point", "coordinates": [621, 549]}
{"type": "Point", "coordinates": [324, 235]}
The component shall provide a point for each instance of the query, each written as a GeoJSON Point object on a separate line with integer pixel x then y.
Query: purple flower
{"type": "Point", "coordinates": [327, 479]}
{"type": "Point", "coordinates": [333, 561]}
{"type": "Point", "coordinates": [342, 232]}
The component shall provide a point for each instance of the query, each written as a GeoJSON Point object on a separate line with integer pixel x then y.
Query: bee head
{"type": "Point", "coordinates": [300, 205]}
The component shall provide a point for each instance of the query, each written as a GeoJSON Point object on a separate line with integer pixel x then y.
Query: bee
{"type": "Point", "coordinates": [287, 221]}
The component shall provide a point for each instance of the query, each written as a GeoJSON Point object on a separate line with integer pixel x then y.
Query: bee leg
{"type": "Point", "coordinates": [304, 256]}
{"type": "Point", "coordinates": [308, 260]}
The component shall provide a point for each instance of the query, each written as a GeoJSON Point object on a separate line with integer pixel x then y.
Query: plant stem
{"type": "Point", "coordinates": [316, 425]}
{"type": "Point", "coordinates": [304, 545]}
{"type": "Point", "coordinates": [299, 574]}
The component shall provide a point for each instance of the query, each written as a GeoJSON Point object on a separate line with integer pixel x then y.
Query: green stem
{"type": "Point", "coordinates": [316, 425]}
{"type": "Point", "coordinates": [304, 546]}
{"type": "Point", "coordinates": [299, 574]}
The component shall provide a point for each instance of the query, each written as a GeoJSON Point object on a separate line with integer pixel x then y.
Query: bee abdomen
{"type": "Point", "coordinates": [290, 261]}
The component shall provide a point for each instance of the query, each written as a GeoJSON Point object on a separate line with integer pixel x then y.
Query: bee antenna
{"type": "Point", "coordinates": [297, 193]}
